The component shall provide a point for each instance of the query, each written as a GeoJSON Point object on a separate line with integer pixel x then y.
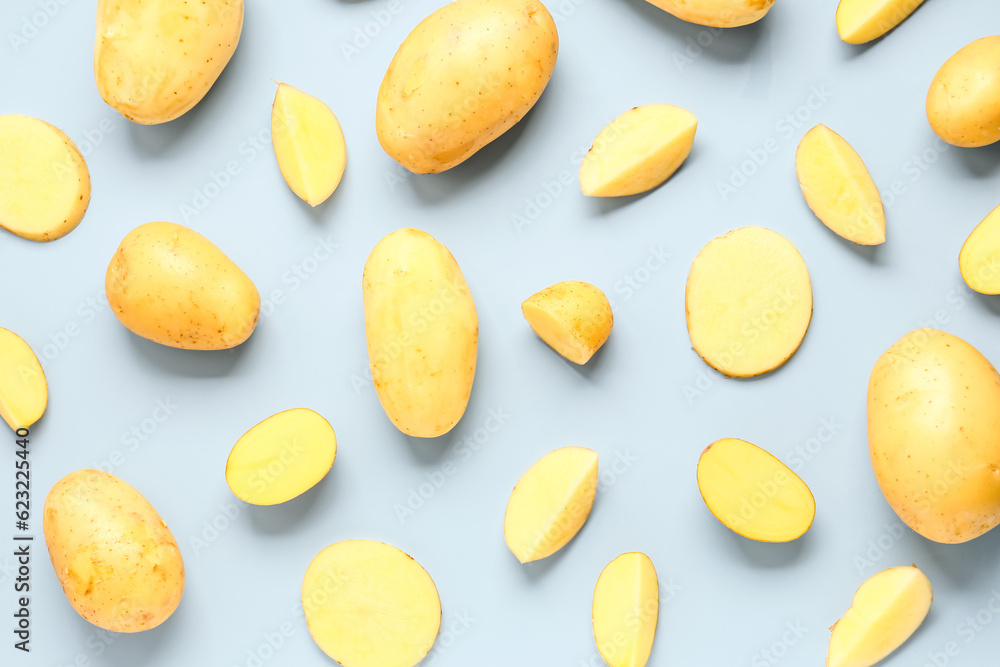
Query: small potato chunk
{"type": "Point", "coordinates": [887, 610]}
{"type": "Point", "coordinates": [638, 151]}
{"type": "Point", "coordinates": [754, 494]}
{"type": "Point", "coordinates": [861, 21]}
{"type": "Point", "coordinates": [308, 143]}
{"type": "Point", "coordinates": [963, 102]}
{"type": "Point", "coordinates": [24, 392]}
{"type": "Point", "coordinates": [550, 503]}
{"type": "Point", "coordinates": [626, 607]}
{"type": "Point", "coordinates": [368, 604]}
{"type": "Point", "coordinates": [716, 13]}
{"type": "Point", "coordinates": [979, 260]}
{"type": "Point", "coordinates": [838, 187]}
{"type": "Point", "coordinates": [44, 181]}
{"type": "Point", "coordinates": [574, 318]}
{"type": "Point", "coordinates": [749, 301]}
{"type": "Point", "coordinates": [282, 457]}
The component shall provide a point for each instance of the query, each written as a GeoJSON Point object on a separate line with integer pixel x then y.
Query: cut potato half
{"type": "Point", "coordinates": [368, 604]}
{"type": "Point", "coordinates": [550, 503]}
{"type": "Point", "coordinates": [626, 608]}
{"type": "Point", "coordinates": [24, 392]}
{"type": "Point", "coordinates": [838, 187]}
{"type": "Point", "coordinates": [861, 21]}
{"type": "Point", "coordinates": [749, 301]}
{"type": "Point", "coordinates": [44, 181]}
{"type": "Point", "coordinates": [754, 494]}
{"type": "Point", "coordinates": [638, 151]}
{"type": "Point", "coordinates": [886, 611]}
{"type": "Point", "coordinates": [574, 318]}
{"type": "Point", "coordinates": [979, 260]}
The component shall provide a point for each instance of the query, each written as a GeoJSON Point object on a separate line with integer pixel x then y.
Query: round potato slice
{"type": "Point", "coordinates": [369, 604]}
{"type": "Point", "coordinates": [282, 457]}
{"type": "Point", "coordinates": [44, 181]}
{"type": "Point", "coordinates": [749, 301]}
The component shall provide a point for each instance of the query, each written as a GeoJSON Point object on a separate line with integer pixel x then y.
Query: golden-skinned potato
{"type": "Point", "coordinates": [573, 317]}
{"type": "Point", "coordinates": [861, 21]}
{"type": "Point", "coordinates": [963, 103]}
{"type": "Point", "coordinates": [24, 393]}
{"type": "Point", "coordinates": [716, 13]}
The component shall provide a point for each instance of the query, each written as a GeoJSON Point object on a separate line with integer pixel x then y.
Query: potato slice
{"type": "Point", "coordinates": [44, 181]}
{"type": "Point", "coordinates": [838, 187]}
{"type": "Point", "coordinates": [368, 604]}
{"type": "Point", "coordinates": [282, 457]}
{"type": "Point", "coordinates": [638, 151]}
{"type": "Point", "coordinates": [716, 13]}
{"type": "Point", "coordinates": [308, 143]}
{"type": "Point", "coordinates": [979, 260]}
{"type": "Point", "coordinates": [754, 494]}
{"type": "Point", "coordinates": [749, 301]}
{"type": "Point", "coordinates": [887, 610]}
{"type": "Point", "coordinates": [574, 318]}
{"type": "Point", "coordinates": [24, 393]}
{"type": "Point", "coordinates": [626, 606]}
{"type": "Point", "coordinates": [550, 503]}
{"type": "Point", "coordinates": [861, 21]}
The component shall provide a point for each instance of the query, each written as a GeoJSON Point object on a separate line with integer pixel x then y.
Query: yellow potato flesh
{"type": "Point", "coordinates": [979, 260]}
{"type": "Point", "coordinates": [465, 75]}
{"type": "Point", "coordinates": [861, 21]}
{"type": "Point", "coordinates": [44, 181]}
{"type": "Point", "coordinates": [574, 318]}
{"type": "Point", "coordinates": [749, 301]}
{"type": "Point", "coordinates": [934, 435]}
{"type": "Point", "coordinates": [155, 59]}
{"type": "Point", "coordinates": [308, 144]}
{"type": "Point", "coordinates": [171, 285]}
{"type": "Point", "coordinates": [638, 151]}
{"type": "Point", "coordinates": [963, 102]}
{"type": "Point", "coordinates": [626, 607]}
{"type": "Point", "coordinates": [838, 187]}
{"type": "Point", "coordinates": [282, 457]}
{"type": "Point", "coordinates": [550, 503]}
{"type": "Point", "coordinates": [887, 609]}
{"type": "Point", "coordinates": [422, 332]}
{"type": "Point", "coordinates": [24, 392]}
{"type": "Point", "coordinates": [716, 13]}
{"type": "Point", "coordinates": [117, 562]}
{"type": "Point", "coordinates": [369, 604]}
{"type": "Point", "coordinates": [753, 493]}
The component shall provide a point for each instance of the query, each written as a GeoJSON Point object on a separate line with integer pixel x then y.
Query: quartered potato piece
{"type": "Point", "coordinates": [24, 392]}
{"type": "Point", "coordinates": [574, 318]}
{"type": "Point", "coordinates": [979, 260]}
{"type": "Point", "coordinates": [861, 21]}
{"type": "Point", "coordinates": [626, 608]}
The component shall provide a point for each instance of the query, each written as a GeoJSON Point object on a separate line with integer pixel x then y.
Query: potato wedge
{"type": "Point", "coordinates": [638, 151]}
{"type": "Point", "coordinates": [963, 102]}
{"type": "Point", "coordinates": [838, 187]}
{"type": "Point", "coordinates": [24, 393]}
{"type": "Point", "coordinates": [308, 144]}
{"type": "Point", "coordinates": [368, 604]}
{"type": "Point", "coordinates": [574, 318]}
{"type": "Point", "coordinates": [749, 302]}
{"type": "Point", "coordinates": [861, 21]}
{"type": "Point", "coordinates": [625, 611]}
{"type": "Point", "coordinates": [753, 493]}
{"type": "Point", "coordinates": [44, 180]}
{"type": "Point", "coordinates": [979, 260]}
{"type": "Point", "coordinates": [550, 503]}
{"type": "Point", "coordinates": [887, 609]}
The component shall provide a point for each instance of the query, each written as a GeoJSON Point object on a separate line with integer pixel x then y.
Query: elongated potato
{"type": "Point", "coordinates": [573, 317]}
{"type": "Point", "coordinates": [625, 611]}
{"type": "Point", "coordinates": [369, 604]}
{"type": "Point", "coordinates": [155, 59]}
{"type": "Point", "coordinates": [861, 21]}
{"type": "Point", "coordinates": [171, 285]}
{"type": "Point", "coordinates": [44, 181]}
{"type": "Point", "coordinates": [24, 393]}
{"type": "Point", "coordinates": [422, 332]}
{"type": "Point", "coordinates": [716, 13]}
{"type": "Point", "coordinates": [934, 435]}
{"type": "Point", "coordinates": [550, 503]}
{"type": "Point", "coordinates": [963, 102]}
{"type": "Point", "coordinates": [979, 260]}
{"type": "Point", "coordinates": [117, 562]}
{"type": "Point", "coordinates": [464, 76]}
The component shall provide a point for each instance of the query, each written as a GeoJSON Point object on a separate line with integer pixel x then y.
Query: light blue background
{"type": "Point", "coordinates": [646, 401]}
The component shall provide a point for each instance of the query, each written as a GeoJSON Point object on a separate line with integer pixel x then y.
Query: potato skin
{"type": "Point", "coordinates": [464, 76]}
{"type": "Point", "coordinates": [716, 13]}
{"type": "Point", "coordinates": [155, 59]}
{"type": "Point", "coordinates": [117, 562]}
{"type": "Point", "coordinates": [422, 332]}
{"type": "Point", "coordinates": [963, 102]}
{"type": "Point", "coordinates": [171, 285]}
{"type": "Point", "coordinates": [934, 435]}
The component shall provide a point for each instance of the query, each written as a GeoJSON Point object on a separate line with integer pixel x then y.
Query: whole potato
{"type": "Point", "coordinates": [716, 13]}
{"type": "Point", "coordinates": [464, 76]}
{"type": "Point", "coordinates": [963, 103]}
{"type": "Point", "coordinates": [155, 59]}
{"type": "Point", "coordinates": [171, 285]}
{"type": "Point", "coordinates": [117, 562]}
{"type": "Point", "coordinates": [934, 435]}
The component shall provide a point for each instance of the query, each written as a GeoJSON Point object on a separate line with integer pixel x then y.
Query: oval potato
{"type": "Point", "coordinates": [963, 102]}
